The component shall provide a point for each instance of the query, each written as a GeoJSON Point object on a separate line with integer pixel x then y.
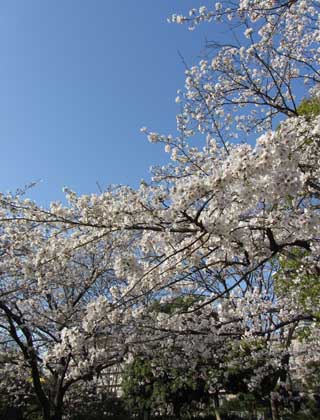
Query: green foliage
{"type": "Point", "coordinates": [309, 107]}
{"type": "Point", "coordinates": [312, 376]}
{"type": "Point", "coordinates": [241, 363]}
{"type": "Point", "coordinates": [310, 411]}
{"type": "Point", "coordinates": [305, 289]}
{"type": "Point", "coordinates": [105, 408]}
{"type": "Point", "coordinates": [137, 385]}
{"type": "Point", "coordinates": [243, 406]}
{"type": "Point", "coordinates": [145, 388]}
{"type": "Point", "coordinates": [179, 304]}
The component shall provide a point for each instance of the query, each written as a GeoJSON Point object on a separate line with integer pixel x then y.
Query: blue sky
{"type": "Point", "coordinates": [78, 79]}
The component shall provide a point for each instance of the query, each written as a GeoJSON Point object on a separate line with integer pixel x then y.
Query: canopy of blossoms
{"type": "Point", "coordinates": [220, 224]}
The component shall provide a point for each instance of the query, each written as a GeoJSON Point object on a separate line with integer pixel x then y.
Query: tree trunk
{"type": "Point", "coordinates": [274, 407]}
{"type": "Point", "coordinates": [48, 415]}
{"type": "Point", "coordinates": [217, 414]}
{"type": "Point", "coordinates": [216, 407]}
{"type": "Point", "coordinates": [46, 412]}
{"type": "Point", "coordinates": [57, 402]}
{"type": "Point", "coordinates": [176, 411]}
{"type": "Point", "coordinates": [56, 416]}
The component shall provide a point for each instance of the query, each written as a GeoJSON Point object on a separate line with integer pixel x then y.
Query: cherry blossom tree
{"type": "Point", "coordinates": [46, 313]}
{"type": "Point", "coordinates": [242, 85]}
{"type": "Point", "coordinates": [215, 224]}
{"type": "Point", "coordinates": [218, 216]}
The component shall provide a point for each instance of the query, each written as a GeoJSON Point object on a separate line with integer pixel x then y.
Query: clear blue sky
{"type": "Point", "coordinates": [78, 78]}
